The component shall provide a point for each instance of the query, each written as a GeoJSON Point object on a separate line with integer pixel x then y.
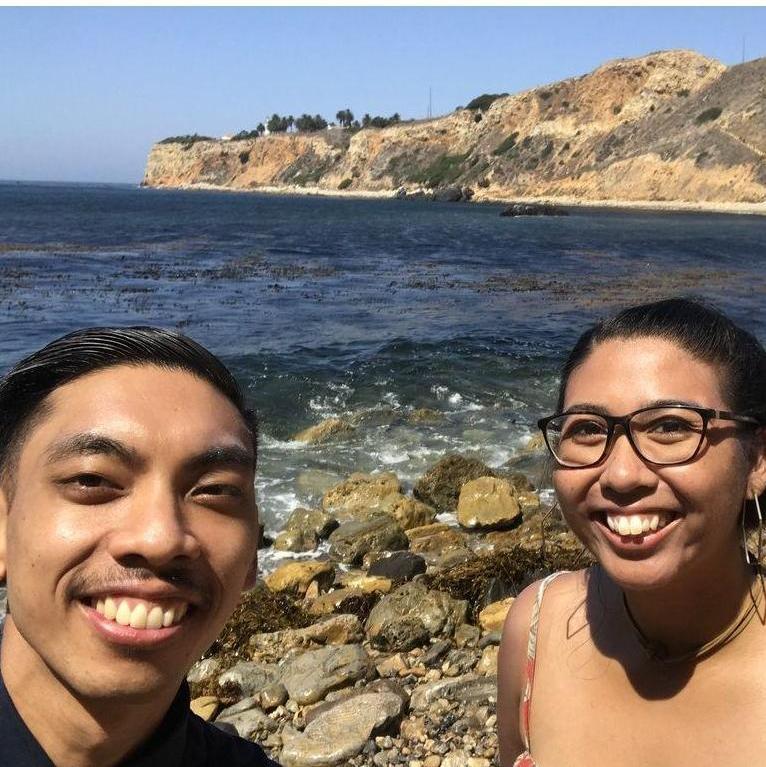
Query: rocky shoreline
{"type": "Point", "coordinates": [384, 650]}
{"type": "Point", "coordinates": [479, 196]}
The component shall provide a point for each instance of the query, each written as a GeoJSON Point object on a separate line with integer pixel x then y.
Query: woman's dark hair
{"type": "Point", "coordinates": [24, 389]}
{"type": "Point", "coordinates": [699, 329]}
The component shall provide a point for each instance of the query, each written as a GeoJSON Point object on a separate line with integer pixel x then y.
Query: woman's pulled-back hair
{"type": "Point", "coordinates": [24, 389]}
{"type": "Point", "coordinates": [699, 329]}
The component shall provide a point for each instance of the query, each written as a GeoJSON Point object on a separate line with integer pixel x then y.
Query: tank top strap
{"type": "Point", "coordinates": [529, 669]}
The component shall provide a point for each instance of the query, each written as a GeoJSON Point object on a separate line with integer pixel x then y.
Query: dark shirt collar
{"type": "Point", "coordinates": [166, 746]}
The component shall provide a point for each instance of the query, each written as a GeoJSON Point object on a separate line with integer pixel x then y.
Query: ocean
{"type": "Point", "coordinates": [366, 310]}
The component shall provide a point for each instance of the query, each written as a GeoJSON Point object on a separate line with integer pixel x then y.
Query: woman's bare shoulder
{"type": "Point", "coordinates": [567, 589]}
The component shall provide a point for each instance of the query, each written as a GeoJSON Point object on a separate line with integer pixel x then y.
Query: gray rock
{"type": "Point", "coordinates": [463, 689]}
{"type": "Point", "coordinates": [352, 540]}
{"type": "Point", "coordinates": [411, 615]}
{"type": "Point", "coordinates": [440, 485]}
{"type": "Point", "coordinates": [340, 732]}
{"type": "Point", "coordinates": [304, 529]}
{"type": "Point", "coordinates": [309, 677]}
{"type": "Point", "coordinates": [533, 209]}
{"type": "Point", "coordinates": [398, 565]}
{"type": "Point", "coordinates": [448, 194]}
{"type": "Point", "coordinates": [203, 670]}
{"type": "Point", "coordinates": [249, 722]}
{"type": "Point", "coordinates": [251, 677]}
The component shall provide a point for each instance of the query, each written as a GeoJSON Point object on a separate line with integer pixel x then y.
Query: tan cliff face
{"type": "Point", "coordinates": [672, 126]}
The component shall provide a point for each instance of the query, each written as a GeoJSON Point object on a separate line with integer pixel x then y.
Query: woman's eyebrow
{"type": "Point", "coordinates": [586, 407]}
{"type": "Point", "coordinates": [92, 443]}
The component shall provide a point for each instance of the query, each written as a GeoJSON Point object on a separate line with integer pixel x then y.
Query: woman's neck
{"type": "Point", "coordinates": [683, 616]}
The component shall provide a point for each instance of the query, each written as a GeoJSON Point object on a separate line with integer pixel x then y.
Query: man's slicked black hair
{"type": "Point", "coordinates": [24, 389]}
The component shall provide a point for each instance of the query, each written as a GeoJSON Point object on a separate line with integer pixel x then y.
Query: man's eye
{"type": "Point", "coordinates": [220, 489]}
{"type": "Point", "coordinates": [89, 481]}
{"type": "Point", "coordinates": [89, 488]}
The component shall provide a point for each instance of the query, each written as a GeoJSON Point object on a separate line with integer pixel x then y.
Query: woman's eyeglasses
{"type": "Point", "coordinates": [664, 436]}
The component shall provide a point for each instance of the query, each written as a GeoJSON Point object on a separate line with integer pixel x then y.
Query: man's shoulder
{"type": "Point", "coordinates": [211, 746]}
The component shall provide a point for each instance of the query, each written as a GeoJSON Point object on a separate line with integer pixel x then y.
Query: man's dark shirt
{"type": "Point", "coordinates": [181, 740]}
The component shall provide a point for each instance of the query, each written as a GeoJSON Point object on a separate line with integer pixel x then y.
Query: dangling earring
{"type": "Point", "coordinates": [744, 531]}
{"type": "Point", "coordinates": [760, 528]}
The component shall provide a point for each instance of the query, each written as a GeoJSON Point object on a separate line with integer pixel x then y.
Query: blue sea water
{"type": "Point", "coordinates": [363, 309]}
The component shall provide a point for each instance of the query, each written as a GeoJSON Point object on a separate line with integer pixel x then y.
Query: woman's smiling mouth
{"type": "Point", "coordinates": [635, 529]}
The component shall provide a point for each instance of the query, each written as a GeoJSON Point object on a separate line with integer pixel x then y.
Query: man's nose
{"type": "Point", "coordinates": [154, 527]}
{"type": "Point", "coordinates": [624, 471]}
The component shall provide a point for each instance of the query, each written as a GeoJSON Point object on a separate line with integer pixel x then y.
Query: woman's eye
{"type": "Point", "coordinates": [671, 426]}
{"type": "Point", "coordinates": [585, 429]}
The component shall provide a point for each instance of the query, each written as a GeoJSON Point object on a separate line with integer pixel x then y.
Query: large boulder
{"type": "Point", "coordinates": [361, 490]}
{"type": "Point", "coordinates": [409, 512]}
{"type": "Point", "coordinates": [334, 630]}
{"type": "Point", "coordinates": [352, 540]}
{"type": "Point", "coordinates": [296, 577]}
{"type": "Point", "coordinates": [411, 615]}
{"type": "Point", "coordinates": [488, 503]}
{"type": "Point", "coordinates": [492, 617]}
{"type": "Point", "coordinates": [304, 529]}
{"type": "Point", "coordinates": [440, 485]}
{"type": "Point", "coordinates": [250, 677]}
{"type": "Point", "coordinates": [248, 721]}
{"type": "Point", "coordinates": [463, 689]}
{"type": "Point", "coordinates": [435, 538]}
{"type": "Point", "coordinates": [310, 676]}
{"type": "Point", "coordinates": [323, 431]}
{"type": "Point", "coordinates": [340, 732]}
{"type": "Point", "coordinates": [398, 565]}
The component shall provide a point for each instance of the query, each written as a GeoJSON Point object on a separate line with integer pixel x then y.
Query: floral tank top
{"type": "Point", "coordinates": [525, 759]}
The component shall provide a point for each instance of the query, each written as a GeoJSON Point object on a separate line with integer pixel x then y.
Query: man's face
{"type": "Point", "coordinates": [133, 504]}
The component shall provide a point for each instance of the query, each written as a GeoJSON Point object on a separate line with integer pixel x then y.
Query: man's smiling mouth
{"type": "Point", "coordinates": [139, 613]}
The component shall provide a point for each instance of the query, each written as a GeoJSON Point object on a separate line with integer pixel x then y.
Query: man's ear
{"type": "Point", "coordinates": [252, 574]}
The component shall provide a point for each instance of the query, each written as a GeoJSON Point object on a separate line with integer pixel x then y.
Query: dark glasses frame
{"type": "Point", "coordinates": [707, 414]}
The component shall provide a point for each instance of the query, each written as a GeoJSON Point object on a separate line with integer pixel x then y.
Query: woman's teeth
{"type": "Point", "coordinates": [637, 524]}
{"type": "Point", "coordinates": [139, 614]}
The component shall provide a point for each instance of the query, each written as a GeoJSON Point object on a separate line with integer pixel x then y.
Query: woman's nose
{"type": "Point", "coordinates": [624, 471]}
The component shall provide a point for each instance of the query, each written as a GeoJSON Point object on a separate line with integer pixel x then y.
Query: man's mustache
{"type": "Point", "coordinates": [188, 582]}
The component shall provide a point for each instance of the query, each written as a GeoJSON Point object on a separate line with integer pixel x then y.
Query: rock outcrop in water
{"type": "Point", "coordinates": [670, 126]}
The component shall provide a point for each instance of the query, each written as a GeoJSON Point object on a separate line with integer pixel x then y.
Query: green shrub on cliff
{"type": "Point", "coordinates": [508, 143]}
{"type": "Point", "coordinates": [444, 170]}
{"type": "Point", "coordinates": [346, 183]}
{"type": "Point", "coordinates": [708, 115]}
{"type": "Point", "coordinates": [484, 101]}
{"type": "Point", "coordinates": [187, 140]}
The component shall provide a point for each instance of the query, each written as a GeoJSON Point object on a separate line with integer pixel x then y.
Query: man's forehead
{"type": "Point", "coordinates": [140, 402]}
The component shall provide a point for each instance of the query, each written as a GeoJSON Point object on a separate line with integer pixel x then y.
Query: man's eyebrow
{"type": "Point", "coordinates": [232, 456]}
{"type": "Point", "coordinates": [89, 443]}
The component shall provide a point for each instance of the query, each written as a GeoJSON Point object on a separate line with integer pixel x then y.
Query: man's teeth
{"type": "Point", "coordinates": [142, 615]}
{"type": "Point", "coordinates": [637, 524]}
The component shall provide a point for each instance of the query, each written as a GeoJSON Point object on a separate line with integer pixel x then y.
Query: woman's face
{"type": "Point", "coordinates": [699, 501]}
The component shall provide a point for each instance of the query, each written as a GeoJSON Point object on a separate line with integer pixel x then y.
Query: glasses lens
{"type": "Point", "coordinates": [667, 434]}
{"type": "Point", "coordinates": [577, 439]}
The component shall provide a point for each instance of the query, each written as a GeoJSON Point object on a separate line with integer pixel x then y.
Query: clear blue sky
{"type": "Point", "coordinates": [84, 92]}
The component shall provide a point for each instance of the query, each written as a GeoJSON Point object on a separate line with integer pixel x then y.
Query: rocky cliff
{"type": "Point", "coordinates": [672, 126]}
